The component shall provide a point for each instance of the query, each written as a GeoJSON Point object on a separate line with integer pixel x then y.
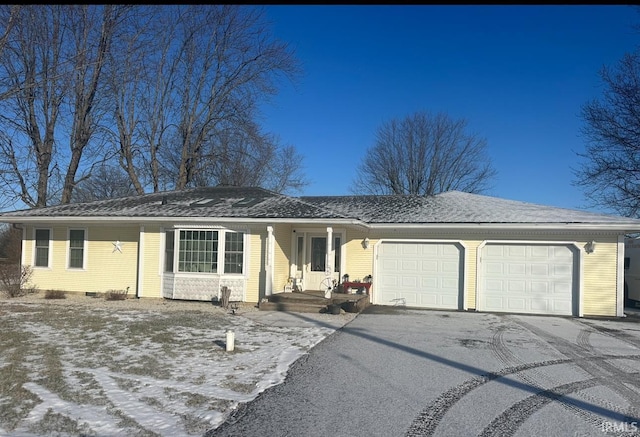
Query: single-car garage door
{"type": "Point", "coordinates": [418, 274]}
{"type": "Point", "coordinates": [528, 278]}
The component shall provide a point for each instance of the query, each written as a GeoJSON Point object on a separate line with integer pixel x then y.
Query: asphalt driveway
{"type": "Point", "coordinates": [400, 372]}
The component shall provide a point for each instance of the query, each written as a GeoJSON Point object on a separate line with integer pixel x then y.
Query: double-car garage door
{"type": "Point", "coordinates": [519, 278]}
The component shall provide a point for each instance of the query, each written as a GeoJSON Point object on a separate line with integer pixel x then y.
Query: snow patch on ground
{"type": "Point", "coordinates": [173, 380]}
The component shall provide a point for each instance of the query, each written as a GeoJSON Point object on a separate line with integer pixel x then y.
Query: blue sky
{"type": "Point", "coordinates": [518, 74]}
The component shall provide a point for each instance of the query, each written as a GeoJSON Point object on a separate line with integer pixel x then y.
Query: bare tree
{"type": "Point", "coordinates": [32, 63]}
{"type": "Point", "coordinates": [105, 182]}
{"type": "Point", "coordinates": [211, 67]}
{"type": "Point", "coordinates": [53, 62]}
{"type": "Point", "coordinates": [609, 172]}
{"type": "Point", "coordinates": [424, 154]}
{"type": "Point", "coordinates": [243, 156]}
{"type": "Point", "coordinates": [93, 30]}
{"type": "Point", "coordinates": [227, 60]}
{"type": "Point", "coordinates": [142, 87]}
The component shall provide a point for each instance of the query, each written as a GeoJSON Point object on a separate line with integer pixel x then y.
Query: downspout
{"type": "Point", "coordinates": [620, 276]}
{"type": "Point", "coordinates": [140, 266]}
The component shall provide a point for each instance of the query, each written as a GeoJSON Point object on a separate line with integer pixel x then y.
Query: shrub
{"type": "Point", "coordinates": [15, 280]}
{"type": "Point", "coordinates": [55, 294]}
{"type": "Point", "coordinates": [117, 294]}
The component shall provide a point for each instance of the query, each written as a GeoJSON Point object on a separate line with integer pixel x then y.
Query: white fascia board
{"type": "Point", "coordinates": [137, 220]}
{"type": "Point", "coordinates": [618, 227]}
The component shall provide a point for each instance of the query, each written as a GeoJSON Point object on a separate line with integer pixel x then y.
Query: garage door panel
{"type": "Point", "coordinates": [408, 250]}
{"type": "Point", "coordinates": [409, 266]}
{"type": "Point", "coordinates": [516, 251]}
{"type": "Point", "coordinates": [409, 282]}
{"type": "Point", "coordinates": [427, 300]}
{"type": "Point", "coordinates": [540, 287]}
{"type": "Point", "coordinates": [495, 251]}
{"type": "Point", "coordinates": [540, 305]}
{"type": "Point", "coordinates": [450, 284]}
{"type": "Point", "coordinates": [428, 283]}
{"type": "Point", "coordinates": [427, 250]}
{"type": "Point", "coordinates": [449, 301]}
{"type": "Point", "coordinates": [516, 304]}
{"type": "Point", "coordinates": [389, 265]}
{"type": "Point", "coordinates": [542, 252]}
{"type": "Point", "coordinates": [495, 286]}
{"type": "Point", "coordinates": [562, 270]}
{"type": "Point", "coordinates": [516, 286]}
{"type": "Point", "coordinates": [517, 269]}
{"type": "Point", "coordinates": [530, 278]}
{"type": "Point", "coordinates": [430, 266]}
{"type": "Point", "coordinates": [539, 270]}
{"type": "Point", "coordinates": [428, 277]}
{"type": "Point", "coordinates": [388, 281]}
{"type": "Point", "coordinates": [561, 307]}
{"type": "Point", "coordinates": [494, 268]}
{"type": "Point", "coordinates": [450, 267]}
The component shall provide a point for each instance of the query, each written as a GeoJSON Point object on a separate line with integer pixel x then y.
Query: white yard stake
{"type": "Point", "coordinates": [230, 340]}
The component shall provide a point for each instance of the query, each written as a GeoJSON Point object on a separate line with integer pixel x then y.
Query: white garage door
{"type": "Point", "coordinates": [527, 278]}
{"type": "Point", "coordinates": [416, 274]}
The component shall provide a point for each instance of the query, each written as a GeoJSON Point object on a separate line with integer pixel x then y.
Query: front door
{"type": "Point", "coordinates": [317, 262]}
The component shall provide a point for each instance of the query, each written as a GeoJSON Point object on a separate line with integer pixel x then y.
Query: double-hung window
{"type": "Point", "coordinates": [233, 252]}
{"type": "Point", "coordinates": [42, 247]}
{"type": "Point", "coordinates": [168, 251]}
{"type": "Point", "coordinates": [76, 248]}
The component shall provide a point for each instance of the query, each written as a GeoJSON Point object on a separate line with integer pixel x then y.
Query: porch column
{"type": "Point", "coordinates": [330, 258]}
{"type": "Point", "coordinates": [268, 263]}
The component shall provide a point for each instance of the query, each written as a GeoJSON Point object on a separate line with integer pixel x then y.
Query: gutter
{"type": "Point", "coordinates": [618, 227]}
{"type": "Point", "coordinates": [621, 227]}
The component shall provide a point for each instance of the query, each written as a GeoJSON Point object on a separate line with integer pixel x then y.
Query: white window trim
{"type": "Point", "coordinates": [50, 256]}
{"type": "Point", "coordinates": [222, 232]}
{"type": "Point", "coordinates": [85, 251]}
{"type": "Point", "coordinates": [221, 253]}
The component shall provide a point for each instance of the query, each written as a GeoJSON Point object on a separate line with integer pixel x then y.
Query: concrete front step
{"type": "Point", "coordinates": [295, 307]}
{"type": "Point", "coordinates": [302, 298]}
{"type": "Point", "coordinates": [313, 302]}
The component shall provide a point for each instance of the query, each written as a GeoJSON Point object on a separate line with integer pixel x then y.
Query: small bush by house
{"type": "Point", "coordinates": [55, 294]}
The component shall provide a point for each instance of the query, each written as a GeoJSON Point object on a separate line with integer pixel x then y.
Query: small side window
{"type": "Point", "coordinates": [42, 248]}
{"type": "Point", "coordinates": [627, 261]}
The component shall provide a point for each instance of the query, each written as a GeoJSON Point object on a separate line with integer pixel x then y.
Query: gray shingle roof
{"type": "Point", "coordinates": [452, 207]}
{"type": "Point", "coordinates": [233, 202]}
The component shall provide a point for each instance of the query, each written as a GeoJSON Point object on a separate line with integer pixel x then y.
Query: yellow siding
{"type": "Point", "coordinates": [151, 262]}
{"type": "Point", "coordinates": [106, 269]}
{"type": "Point", "coordinates": [600, 278]}
{"type": "Point", "coordinates": [359, 261]}
{"type": "Point", "coordinates": [255, 280]}
{"type": "Point", "coordinates": [282, 254]}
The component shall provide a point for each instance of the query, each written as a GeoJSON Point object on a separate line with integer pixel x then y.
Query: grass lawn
{"type": "Point", "coordinates": [90, 367]}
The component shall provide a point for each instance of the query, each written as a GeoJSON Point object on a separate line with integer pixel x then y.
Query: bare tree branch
{"type": "Point", "coordinates": [423, 155]}
{"type": "Point", "coordinates": [609, 173]}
